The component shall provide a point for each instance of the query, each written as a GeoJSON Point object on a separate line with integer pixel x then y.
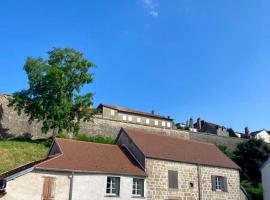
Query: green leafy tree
{"type": "Point", "coordinates": [53, 96]}
{"type": "Point", "coordinates": [231, 132]}
{"type": "Point", "coordinates": [250, 155]}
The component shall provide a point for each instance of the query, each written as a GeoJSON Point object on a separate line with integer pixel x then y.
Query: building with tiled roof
{"type": "Point", "coordinates": [122, 114]}
{"type": "Point", "coordinates": [139, 165]}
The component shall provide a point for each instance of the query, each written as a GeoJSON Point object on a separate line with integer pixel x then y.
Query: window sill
{"type": "Point", "coordinates": [111, 195]}
{"type": "Point", "coordinates": [137, 197]}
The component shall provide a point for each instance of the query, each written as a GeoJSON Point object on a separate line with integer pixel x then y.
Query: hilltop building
{"type": "Point", "coordinates": [208, 127]}
{"type": "Point", "coordinates": [127, 115]}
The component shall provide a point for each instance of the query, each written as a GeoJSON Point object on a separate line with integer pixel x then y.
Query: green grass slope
{"type": "Point", "coordinates": [15, 153]}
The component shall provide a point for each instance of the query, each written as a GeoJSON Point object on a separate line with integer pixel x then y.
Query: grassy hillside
{"type": "Point", "coordinates": [14, 153]}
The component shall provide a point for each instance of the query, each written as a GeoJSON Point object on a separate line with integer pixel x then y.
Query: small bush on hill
{"type": "Point", "coordinates": [95, 138]}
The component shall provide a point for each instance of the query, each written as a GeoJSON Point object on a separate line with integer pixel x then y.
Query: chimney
{"type": "Point", "coordinates": [247, 132]}
{"type": "Point", "coordinates": [191, 125]}
{"type": "Point", "coordinates": [199, 123]}
{"type": "Point", "coordinates": [153, 112]}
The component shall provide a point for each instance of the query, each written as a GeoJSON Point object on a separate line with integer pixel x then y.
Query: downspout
{"type": "Point", "coordinates": [71, 186]}
{"type": "Point", "coordinates": [199, 181]}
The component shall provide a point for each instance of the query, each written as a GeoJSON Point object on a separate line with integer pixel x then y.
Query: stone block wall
{"type": "Point", "coordinates": [157, 181]}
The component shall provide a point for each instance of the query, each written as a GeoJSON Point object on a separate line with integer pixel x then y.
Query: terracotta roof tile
{"type": "Point", "coordinates": [159, 146]}
{"type": "Point", "coordinates": [92, 157]}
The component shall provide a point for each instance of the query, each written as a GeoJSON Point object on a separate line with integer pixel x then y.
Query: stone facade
{"type": "Point", "coordinates": [134, 118]}
{"type": "Point", "coordinates": [157, 181]}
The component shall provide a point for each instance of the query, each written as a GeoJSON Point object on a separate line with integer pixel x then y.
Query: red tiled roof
{"type": "Point", "coordinates": [92, 157]}
{"type": "Point", "coordinates": [175, 149]}
{"type": "Point", "coordinates": [127, 110]}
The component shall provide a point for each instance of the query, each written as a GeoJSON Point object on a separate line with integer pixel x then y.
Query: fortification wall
{"type": "Point", "coordinates": [12, 125]}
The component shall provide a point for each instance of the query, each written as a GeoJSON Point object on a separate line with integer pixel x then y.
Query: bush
{"type": "Point", "coordinates": [95, 138]}
{"type": "Point", "coordinates": [255, 192]}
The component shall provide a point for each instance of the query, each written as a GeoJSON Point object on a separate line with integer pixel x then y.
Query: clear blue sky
{"type": "Point", "coordinates": [183, 58]}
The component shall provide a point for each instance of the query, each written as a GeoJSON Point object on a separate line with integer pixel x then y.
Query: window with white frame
{"type": "Point", "coordinates": [138, 120]}
{"type": "Point", "coordinates": [156, 122]}
{"type": "Point", "coordinates": [124, 117]}
{"type": "Point", "coordinates": [163, 123]}
{"type": "Point", "coordinates": [112, 112]}
{"type": "Point", "coordinates": [113, 186]}
{"type": "Point", "coordinates": [138, 187]}
{"type": "Point", "coordinates": [168, 124]}
{"type": "Point", "coordinates": [147, 121]}
{"type": "Point", "coordinates": [218, 183]}
{"type": "Point", "coordinates": [129, 118]}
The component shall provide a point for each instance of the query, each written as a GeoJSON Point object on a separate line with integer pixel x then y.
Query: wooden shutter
{"type": "Point", "coordinates": [48, 188]}
{"type": "Point", "coordinates": [213, 180]}
{"type": "Point", "coordinates": [117, 184]}
{"type": "Point", "coordinates": [224, 184]}
{"type": "Point", "coordinates": [173, 179]}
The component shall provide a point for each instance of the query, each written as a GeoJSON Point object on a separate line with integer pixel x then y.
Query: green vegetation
{"type": "Point", "coordinates": [255, 192]}
{"type": "Point", "coordinates": [17, 152]}
{"type": "Point", "coordinates": [95, 138]}
{"type": "Point", "coordinates": [53, 96]}
{"type": "Point", "coordinates": [231, 132]}
{"type": "Point", "coordinates": [249, 155]}
{"type": "Point", "coordinates": [14, 153]}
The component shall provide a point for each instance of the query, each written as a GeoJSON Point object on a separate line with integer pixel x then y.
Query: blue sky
{"type": "Point", "coordinates": [182, 58]}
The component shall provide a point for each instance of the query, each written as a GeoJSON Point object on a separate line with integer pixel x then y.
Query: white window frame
{"type": "Point", "coordinates": [112, 112]}
{"type": "Point", "coordinates": [137, 188]}
{"type": "Point", "coordinates": [147, 121]}
{"type": "Point", "coordinates": [156, 122]}
{"type": "Point", "coordinates": [163, 123]}
{"type": "Point", "coordinates": [139, 120]}
{"type": "Point", "coordinates": [218, 180]}
{"type": "Point", "coordinates": [112, 186]}
{"type": "Point", "coordinates": [130, 118]}
{"type": "Point", "coordinates": [124, 117]}
{"type": "Point", "coordinates": [169, 124]}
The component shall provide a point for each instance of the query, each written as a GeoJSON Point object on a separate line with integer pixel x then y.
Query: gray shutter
{"type": "Point", "coordinates": [173, 179]}
{"type": "Point", "coordinates": [213, 179]}
{"type": "Point", "coordinates": [224, 184]}
{"type": "Point", "coordinates": [117, 182]}
{"type": "Point", "coordinates": [142, 187]}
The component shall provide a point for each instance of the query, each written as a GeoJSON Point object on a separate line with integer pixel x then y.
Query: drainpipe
{"type": "Point", "coordinates": [199, 181]}
{"type": "Point", "coordinates": [71, 186]}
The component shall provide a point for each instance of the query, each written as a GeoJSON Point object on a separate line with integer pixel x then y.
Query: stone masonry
{"type": "Point", "coordinates": [157, 181]}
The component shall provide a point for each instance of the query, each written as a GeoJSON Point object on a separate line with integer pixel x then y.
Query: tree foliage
{"type": "Point", "coordinates": [231, 132]}
{"type": "Point", "coordinates": [53, 96]}
{"type": "Point", "coordinates": [250, 156]}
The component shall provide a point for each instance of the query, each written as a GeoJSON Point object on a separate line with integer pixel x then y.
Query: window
{"type": "Point", "coordinates": [173, 179]}
{"type": "Point", "coordinates": [113, 186]}
{"type": "Point", "coordinates": [156, 122]}
{"type": "Point", "coordinates": [138, 120]}
{"type": "Point", "coordinates": [147, 121]}
{"type": "Point", "coordinates": [112, 112]}
{"type": "Point", "coordinates": [48, 192]}
{"type": "Point", "coordinates": [124, 117]}
{"type": "Point", "coordinates": [219, 183]}
{"type": "Point", "coordinates": [168, 124]}
{"type": "Point", "coordinates": [163, 123]}
{"type": "Point", "coordinates": [138, 187]}
{"type": "Point", "coordinates": [129, 118]}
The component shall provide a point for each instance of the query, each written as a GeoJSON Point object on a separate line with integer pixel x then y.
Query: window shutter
{"type": "Point", "coordinates": [117, 184]}
{"type": "Point", "coordinates": [173, 179]}
{"type": "Point", "coordinates": [48, 188]}
{"type": "Point", "coordinates": [213, 179]}
{"type": "Point", "coordinates": [224, 184]}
